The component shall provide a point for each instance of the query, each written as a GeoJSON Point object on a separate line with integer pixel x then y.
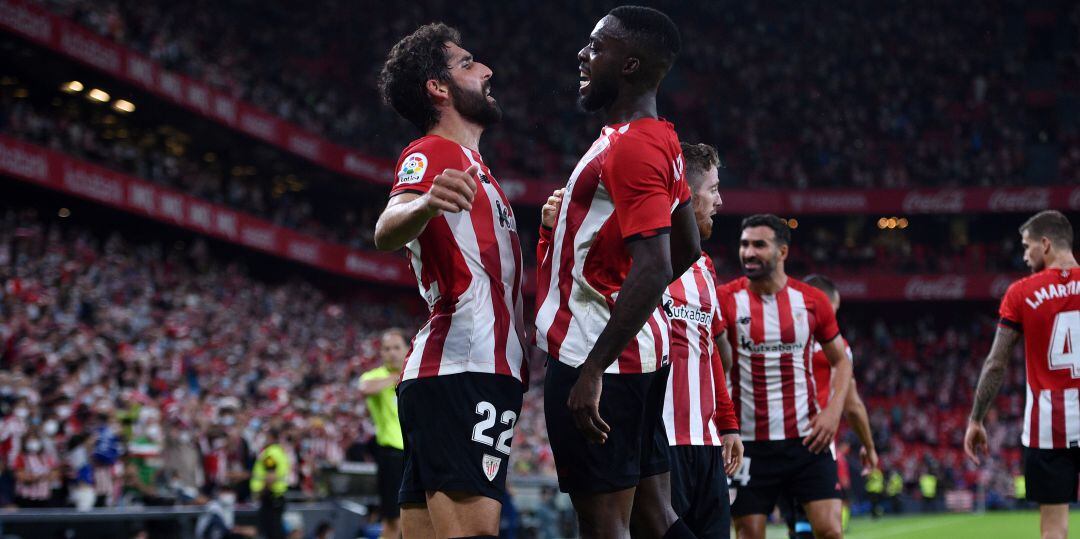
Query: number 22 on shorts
{"type": "Point", "coordinates": [488, 412]}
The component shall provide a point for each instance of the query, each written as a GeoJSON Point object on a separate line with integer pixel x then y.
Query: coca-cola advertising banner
{"type": "Point", "coordinates": [60, 172]}
{"type": "Point", "coordinates": [902, 201]}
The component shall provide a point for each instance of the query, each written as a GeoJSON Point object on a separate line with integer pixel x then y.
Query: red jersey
{"type": "Point", "coordinates": [1046, 308]}
{"type": "Point", "coordinates": [468, 268]}
{"type": "Point", "coordinates": [697, 408]}
{"type": "Point", "coordinates": [823, 371]}
{"type": "Point", "coordinates": [772, 339]}
{"type": "Point", "coordinates": [625, 187]}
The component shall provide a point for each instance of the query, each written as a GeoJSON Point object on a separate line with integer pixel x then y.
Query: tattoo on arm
{"type": "Point", "coordinates": [993, 371]}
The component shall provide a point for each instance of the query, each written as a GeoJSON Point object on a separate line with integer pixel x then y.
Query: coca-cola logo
{"type": "Point", "coordinates": [94, 185]}
{"type": "Point", "coordinates": [362, 167]}
{"type": "Point", "coordinates": [852, 288]}
{"type": "Point", "coordinates": [1000, 285]}
{"type": "Point", "coordinates": [303, 250]}
{"type": "Point", "coordinates": [16, 161]}
{"type": "Point", "coordinates": [25, 22]}
{"type": "Point", "coordinates": [260, 237]}
{"type": "Point", "coordinates": [934, 202]}
{"type": "Point", "coordinates": [1034, 199]}
{"type": "Point", "coordinates": [261, 126]}
{"type": "Point", "coordinates": [1074, 199]}
{"type": "Point", "coordinates": [305, 146]}
{"type": "Point", "coordinates": [834, 202]}
{"type": "Point", "coordinates": [91, 50]}
{"type": "Point", "coordinates": [936, 288]}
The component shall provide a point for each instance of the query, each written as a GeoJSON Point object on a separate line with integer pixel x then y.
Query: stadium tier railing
{"type": "Point", "coordinates": [61, 172]}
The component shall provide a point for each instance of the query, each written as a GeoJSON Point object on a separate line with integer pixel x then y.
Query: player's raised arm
{"type": "Point", "coordinates": [825, 424]}
{"type": "Point", "coordinates": [993, 372]}
{"type": "Point", "coordinates": [407, 214]}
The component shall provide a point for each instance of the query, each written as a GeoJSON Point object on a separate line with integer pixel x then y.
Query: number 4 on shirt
{"type": "Point", "coordinates": [1063, 342]}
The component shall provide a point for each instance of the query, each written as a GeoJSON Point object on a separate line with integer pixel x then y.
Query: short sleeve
{"type": "Point", "coordinates": [1010, 310]}
{"type": "Point", "coordinates": [640, 179]}
{"type": "Point", "coordinates": [421, 162]}
{"type": "Point", "coordinates": [826, 328]}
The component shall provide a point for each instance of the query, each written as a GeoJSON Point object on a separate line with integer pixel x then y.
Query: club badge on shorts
{"type": "Point", "coordinates": [491, 466]}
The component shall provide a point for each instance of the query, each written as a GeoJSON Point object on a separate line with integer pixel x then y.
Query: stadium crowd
{"type": "Point", "coordinates": [142, 374]}
{"type": "Point", "coordinates": [139, 373]}
{"type": "Point", "coordinates": [927, 95]}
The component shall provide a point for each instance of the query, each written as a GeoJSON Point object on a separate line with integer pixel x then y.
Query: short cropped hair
{"type": "Point", "coordinates": [1052, 225]}
{"type": "Point", "coordinates": [779, 226]}
{"type": "Point", "coordinates": [396, 331]}
{"type": "Point", "coordinates": [419, 57]}
{"type": "Point", "coordinates": [698, 159]}
{"type": "Point", "coordinates": [822, 283]}
{"type": "Point", "coordinates": [653, 34]}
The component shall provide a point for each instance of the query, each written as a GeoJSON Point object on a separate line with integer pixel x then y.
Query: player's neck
{"type": "Point", "coordinates": [770, 286]}
{"type": "Point", "coordinates": [452, 126]}
{"type": "Point", "coordinates": [1062, 261]}
{"type": "Point", "coordinates": [633, 106]}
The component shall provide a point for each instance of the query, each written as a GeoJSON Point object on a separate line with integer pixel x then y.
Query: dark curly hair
{"type": "Point", "coordinates": [419, 57]}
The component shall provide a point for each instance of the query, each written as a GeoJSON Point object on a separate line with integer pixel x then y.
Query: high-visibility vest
{"type": "Point", "coordinates": [1020, 487]}
{"type": "Point", "coordinates": [272, 459]}
{"type": "Point", "coordinates": [875, 482]}
{"type": "Point", "coordinates": [928, 485]}
{"type": "Point", "coordinates": [895, 486]}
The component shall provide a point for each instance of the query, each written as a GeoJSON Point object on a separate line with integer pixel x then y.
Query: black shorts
{"type": "Point", "coordinates": [457, 429]}
{"type": "Point", "coordinates": [389, 467]}
{"type": "Point", "coordinates": [794, 515]}
{"type": "Point", "coordinates": [632, 405]}
{"type": "Point", "coordinates": [1051, 474]}
{"type": "Point", "coordinates": [699, 490]}
{"type": "Point", "coordinates": [772, 468]}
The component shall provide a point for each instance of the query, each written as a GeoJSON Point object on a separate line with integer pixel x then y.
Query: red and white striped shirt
{"type": "Point", "coordinates": [39, 464]}
{"type": "Point", "coordinates": [772, 339]}
{"type": "Point", "coordinates": [468, 268]}
{"type": "Point", "coordinates": [697, 408]}
{"type": "Point", "coordinates": [1045, 306]}
{"type": "Point", "coordinates": [625, 187]}
{"type": "Point", "coordinates": [823, 371]}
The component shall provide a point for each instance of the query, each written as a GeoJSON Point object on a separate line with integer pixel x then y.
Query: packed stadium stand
{"type": "Point", "coordinates": [186, 257]}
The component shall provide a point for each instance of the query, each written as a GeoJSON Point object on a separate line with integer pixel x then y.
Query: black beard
{"type": "Point", "coordinates": [763, 272]}
{"type": "Point", "coordinates": [475, 107]}
{"type": "Point", "coordinates": [599, 97]}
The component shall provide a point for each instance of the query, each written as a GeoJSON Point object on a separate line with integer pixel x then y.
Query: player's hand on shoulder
{"type": "Point", "coordinates": [732, 453]}
{"type": "Point", "coordinates": [452, 191]}
{"type": "Point", "coordinates": [975, 441]}
{"type": "Point", "coordinates": [550, 211]}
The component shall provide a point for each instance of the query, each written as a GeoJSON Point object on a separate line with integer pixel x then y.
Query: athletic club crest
{"type": "Point", "coordinates": [491, 466]}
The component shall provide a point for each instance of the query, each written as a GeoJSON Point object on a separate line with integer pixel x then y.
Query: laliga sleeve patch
{"type": "Point", "coordinates": [412, 168]}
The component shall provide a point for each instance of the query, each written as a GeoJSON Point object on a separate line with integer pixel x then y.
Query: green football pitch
{"type": "Point", "coordinates": [1006, 525]}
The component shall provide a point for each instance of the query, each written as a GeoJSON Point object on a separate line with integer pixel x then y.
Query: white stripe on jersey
{"type": "Point", "coordinates": [803, 394]}
{"type": "Point", "coordinates": [774, 380]}
{"type": "Point", "coordinates": [1046, 420]}
{"type": "Point", "coordinates": [747, 421]}
{"type": "Point", "coordinates": [1025, 438]}
{"type": "Point", "coordinates": [1072, 415]}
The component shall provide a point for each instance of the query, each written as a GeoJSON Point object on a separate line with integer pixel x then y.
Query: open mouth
{"type": "Point", "coordinates": [583, 81]}
{"type": "Point", "coordinates": [751, 265]}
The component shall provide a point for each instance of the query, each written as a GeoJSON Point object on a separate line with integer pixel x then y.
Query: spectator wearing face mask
{"type": "Point", "coordinates": [183, 464]}
{"type": "Point", "coordinates": [35, 473]}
